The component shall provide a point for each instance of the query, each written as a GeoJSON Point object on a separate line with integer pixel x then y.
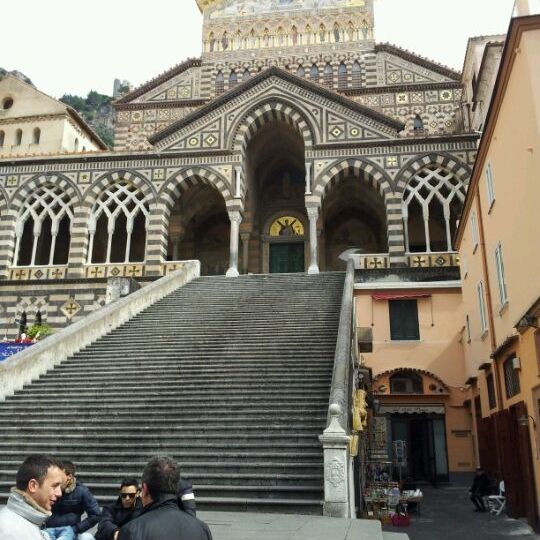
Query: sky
{"type": "Point", "coordinates": [71, 46]}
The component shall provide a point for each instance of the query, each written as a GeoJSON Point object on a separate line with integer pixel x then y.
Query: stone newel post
{"type": "Point", "coordinates": [236, 218]}
{"type": "Point", "coordinates": [335, 443]}
{"type": "Point", "coordinates": [313, 215]}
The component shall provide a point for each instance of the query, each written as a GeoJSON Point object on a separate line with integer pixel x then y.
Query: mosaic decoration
{"type": "Point", "coordinates": [287, 226]}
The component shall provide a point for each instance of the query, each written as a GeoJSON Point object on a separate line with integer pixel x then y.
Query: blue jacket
{"type": "Point", "coordinates": [69, 509]}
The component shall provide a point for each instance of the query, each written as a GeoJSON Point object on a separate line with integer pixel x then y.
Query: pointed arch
{"type": "Point", "coordinates": [361, 168]}
{"type": "Point", "coordinates": [343, 76]}
{"type": "Point", "coordinates": [267, 111]}
{"type": "Point", "coordinates": [220, 83]}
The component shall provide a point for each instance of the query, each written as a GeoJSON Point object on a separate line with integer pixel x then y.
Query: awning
{"type": "Point", "coordinates": [400, 296]}
{"type": "Point", "coordinates": [411, 409]}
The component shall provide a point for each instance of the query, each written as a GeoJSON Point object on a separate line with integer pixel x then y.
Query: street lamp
{"type": "Point", "coordinates": [523, 420]}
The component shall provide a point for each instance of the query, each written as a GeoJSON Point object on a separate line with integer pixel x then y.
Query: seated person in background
{"type": "Point", "coordinates": [127, 507]}
{"type": "Point", "coordinates": [65, 522]}
{"type": "Point", "coordinates": [186, 498]}
{"type": "Point", "coordinates": [480, 489]}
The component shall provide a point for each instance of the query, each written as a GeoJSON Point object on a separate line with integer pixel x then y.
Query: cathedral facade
{"type": "Point", "coordinates": [293, 143]}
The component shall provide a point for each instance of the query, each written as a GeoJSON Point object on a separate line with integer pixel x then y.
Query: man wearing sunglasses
{"type": "Point", "coordinates": [127, 507]}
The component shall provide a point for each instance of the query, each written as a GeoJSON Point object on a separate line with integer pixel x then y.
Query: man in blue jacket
{"type": "Point", "coordinates": [66, 522]}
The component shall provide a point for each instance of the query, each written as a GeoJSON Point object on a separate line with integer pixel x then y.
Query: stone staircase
{"type": "Point", "coordinates": [229, 376]}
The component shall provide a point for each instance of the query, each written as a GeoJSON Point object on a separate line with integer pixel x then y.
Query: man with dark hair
{"type": "Point", "coordinates": [127, 507]}
{"type": "Point", "coordinates": [479, 490]}
{"type": "Point", "coordinates": [65, 522]}
{"type": "Point", "coordinates": [161, 517]}
{"type": "Point", "coordinates": [38, 486]}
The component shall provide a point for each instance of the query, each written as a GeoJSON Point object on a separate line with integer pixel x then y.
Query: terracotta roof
{"type": "Point", "coordinates": [275, 72]}
{"type": "Point", "coordinates": [418, 59]}
{"type": "Point", "coordinates": [160, 79]}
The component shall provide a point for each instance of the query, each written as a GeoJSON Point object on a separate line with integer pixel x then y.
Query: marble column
{"type": "Point", "coordinates": [308, 178]}
{"type": "Point", "coordinates": [236, 218]}
{"type": "Point", "coordinates": [245, 251]}
{"type": "Point", "coordinates": [313, 215]}
{"type": "Point", "coordinates": [238, 183]}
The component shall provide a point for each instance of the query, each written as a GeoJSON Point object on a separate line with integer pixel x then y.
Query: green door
{"type": "Point", "coordinates": [287, 258]}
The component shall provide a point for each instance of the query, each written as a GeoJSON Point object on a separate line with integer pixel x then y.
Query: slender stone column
{"type": "Point", "coordinates": [313, 215]}
{"type": "Point", "coordinates": [238, 183]}
{"type": "Point", "coordinates": [308, 178]}
{"type": "Point", "coordinates": [245, 251]}
{"type": "Point", "coordinates": [236, 218]}
{"type": "Point", "coordinates": [335, 443]}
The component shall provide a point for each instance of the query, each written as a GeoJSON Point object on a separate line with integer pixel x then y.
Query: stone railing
{"type": "Point", "coordinates": [338, 484]}
{"type": "Point", "coordinates": [26, 366]}
{"type": "Point", "coordinates": [376, 261]}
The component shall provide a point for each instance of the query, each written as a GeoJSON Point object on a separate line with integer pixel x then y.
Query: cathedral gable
{"type": "Point", "coordinates": [398, 67]}
{"type": "Point", "coordinates": [183, 82]}
{"type": "Point", "coordinates": [331, 119]}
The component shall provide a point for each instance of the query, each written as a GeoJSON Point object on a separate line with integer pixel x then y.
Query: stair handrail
{"type": "Point", "coordinates": [340, 391]}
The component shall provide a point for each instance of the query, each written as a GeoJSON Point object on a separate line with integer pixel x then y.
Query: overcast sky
{"type": "Point", "coordinates": [71, 46]}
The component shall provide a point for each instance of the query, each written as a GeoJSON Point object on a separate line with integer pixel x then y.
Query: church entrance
{"type": "Point", "coordinates": [286, 258]}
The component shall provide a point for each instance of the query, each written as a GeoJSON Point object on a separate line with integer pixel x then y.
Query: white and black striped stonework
{"type": "Point", "coordinates": [157, 237]}
{"type": "Point", "coordinates": [17, 205]}
{"type": "Point", "coordinates": [376, 177]}
{"type": "Point", "coordinates": [79, 235]}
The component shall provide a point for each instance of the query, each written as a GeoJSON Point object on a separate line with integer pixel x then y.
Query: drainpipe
{"type": "Point", "coordinates": [489, 301]}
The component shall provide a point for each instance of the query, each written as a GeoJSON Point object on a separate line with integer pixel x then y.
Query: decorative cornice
{"type": "Point", "coordinates": [156, 81]}
{"type": "Point", "coordinates": [281, 74]}
{"type": "Point", "coordinates": [369, 90]}
{"type": "Point", "coordinates": [417, 59]}
{"type": "Point", "coordinates": [160, 105]}
{"type": "Point", "coordinates": [35, 118]}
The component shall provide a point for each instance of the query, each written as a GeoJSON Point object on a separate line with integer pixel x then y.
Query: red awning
{"type": "Point", "coordinates": [400, 296]}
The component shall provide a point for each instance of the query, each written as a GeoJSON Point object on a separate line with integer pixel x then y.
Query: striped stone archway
{"type": "Point", "coordinates": [171, 191]}
{"type": "Point", "coordinates": [375, 176]}
{"type": "Point", "coordinates": [79, 238]}
{"type": "Point", "coordinates": [447, 161]}
{"type": "Point", "coordinates": [17, 202]}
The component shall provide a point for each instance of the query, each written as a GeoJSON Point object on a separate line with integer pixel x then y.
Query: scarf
{"type": "Point", "coordinates": [26, 508]}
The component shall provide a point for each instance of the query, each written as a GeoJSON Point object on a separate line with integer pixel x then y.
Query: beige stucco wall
{"type": "Point", "coordinates": [32, 109]}
{"type": "Point", "coordinates": [439, 351]}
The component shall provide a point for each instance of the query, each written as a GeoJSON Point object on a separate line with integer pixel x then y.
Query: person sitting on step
{"type": "Point", "coordinates": [127, 507]}
{"type": "Point", "coordinates": [66, 522]}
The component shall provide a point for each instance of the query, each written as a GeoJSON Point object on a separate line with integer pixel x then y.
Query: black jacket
{"type": "Point", "coordinates": [163, 520]}
{"type": "Point", "coordinates": [481, 485]}
{"type": "Point", "coordinates": [186, 498]}
{"type": "Point", "coordinates": [69, 509]}
{"type": "Point", "coordinates": [115, 516]}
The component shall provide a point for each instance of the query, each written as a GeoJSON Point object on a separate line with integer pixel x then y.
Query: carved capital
{"type": "Point", "coordinates": [235, 216]}
{"type": "Point", "coordinates": [312, 212]}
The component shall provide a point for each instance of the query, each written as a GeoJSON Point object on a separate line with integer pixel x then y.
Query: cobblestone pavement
{"type": "Point", "coordinates": [447, 514]}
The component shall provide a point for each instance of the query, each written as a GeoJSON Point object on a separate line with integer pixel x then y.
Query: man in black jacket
{"type": "Point", "coordinates": [479, 490]}
{"type": "Point", "coordinates": [127, 507]}
{"type": "Point", "coordinates": [161, 517]}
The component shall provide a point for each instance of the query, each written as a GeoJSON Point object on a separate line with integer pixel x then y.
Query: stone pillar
{"type": "Point", "coordinates": [238, 182]}
{"type": "Point", "coordinates": [313, 215]}
{"type": "Point", "coordinates": [335, 443]}
{"type": "Point", "coordinates": [308, 178]}
{"type": "Point", "coordinates": [236, 218]}
{"type": "Point", "coordinates": [245, 251]}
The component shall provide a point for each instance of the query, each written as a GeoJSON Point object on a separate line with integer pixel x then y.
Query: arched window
{"type": "Point", "coordinates": [36, 136]}
{"type": "Point", "coordinates": [76, 145]}
{"type": "Point", "coordinates": [246, 75]}
{"type": "Point", "coordinates": [233, 79]}
{"type": "Point", "coordinates": [342, 76]}
{"type": "Point", "coordinates": [432, 204]}
{"type": "Point", "coordinates": [404, 382]}
{"type": "Point", "coordinates": [328, 76]}
{"type": "Point", "coordinates": [356, 75]}
{"type": "Point", "coordinates": [2, 138]}
{"type": "Point", "coordinates": [38, 318]}
{"type": "Point", "coordinates": [220, 83]}
{"type": "Point", "coordinates": [43, 228]}
{"type": "Point", "coordinates": [301, 72]}
{"type": "Point", "coordinates": [314, 73]}
{"type": "Point", "coordinates": [18, 137]}
{"type": "Point", "coordinates": [337, 33]}
{"type": "Point", "coordinates": [117, 225]}
{"type": "Point", "coordinates": [418, 123]}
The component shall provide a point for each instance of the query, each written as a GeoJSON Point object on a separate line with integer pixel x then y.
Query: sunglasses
{"type": "Point", "coordinates": [128, 495]}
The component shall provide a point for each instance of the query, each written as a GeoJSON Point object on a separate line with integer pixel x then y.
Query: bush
{"type": "Point", "coordinates": [42, 329]}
